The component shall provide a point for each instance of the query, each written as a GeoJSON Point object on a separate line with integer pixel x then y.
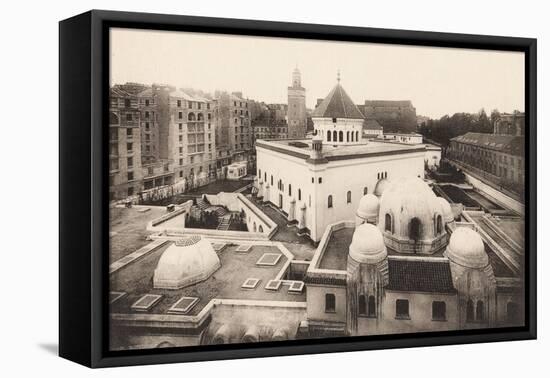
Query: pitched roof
{"type": "Point", "coordinates": [420, 276]}
{"type": "Point", "coordinates": [372, 124]}
{"type": "Point", "coordinates": [511, 144]}
{"type": "Point", "coordinates": [337, 105]}
{"type": "Point", "coordinates": [117, 92]}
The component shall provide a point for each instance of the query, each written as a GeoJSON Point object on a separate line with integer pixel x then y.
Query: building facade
{"type": "Point", "coordinates": [392, 115]}
{"type": "Point", "coordinates": [510, 124]}
{"type": "Point", "coordinates": [498, 158]}
{"type": "Point", "coordinates": [296, 114]}
{"type": "Point", "coordinates": [125, 172]}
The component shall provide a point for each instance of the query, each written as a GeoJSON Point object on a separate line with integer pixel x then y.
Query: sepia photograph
{"type": "Point", "coordinates": [268, 189]}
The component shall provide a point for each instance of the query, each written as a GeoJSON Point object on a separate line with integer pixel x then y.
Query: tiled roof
{"type": "Point", "coordinates": [117, 92]}
{"type": "Point", "coordinates": [337, 105]}
{"type": "Point", "coordinates": [512, 144]}
{"type": "Point", "coordinates": [420, 276]}
{"type": "Point", "coordinates": [372, 124]}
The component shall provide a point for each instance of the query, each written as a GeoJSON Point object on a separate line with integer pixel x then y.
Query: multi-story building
{"type": "Point", "coordinates": [296, 114]}
{"type": "Point", "coordinates": [498, 158]}
{"type": "Point", "coordinates": [271, 123]}
{"type": "Point", "coordinates": [125, 174]}
{"type": "Point", "coordinates": [233, 136]}
{"type": "Point", "coordinates": [392, 115]}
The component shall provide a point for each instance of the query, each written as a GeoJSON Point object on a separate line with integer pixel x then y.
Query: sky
{"type": "Point", "coordinates": [437, 80]}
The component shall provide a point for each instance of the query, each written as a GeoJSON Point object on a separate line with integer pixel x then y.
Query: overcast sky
{"type": "Point", "coordinates": [438, 81]}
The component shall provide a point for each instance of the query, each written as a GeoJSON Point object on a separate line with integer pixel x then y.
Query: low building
{"type": "Point", "coordinates": [372, 129]}
{"type": "Point", "coordinates": [408, 138]}
{"type": "Point", "coordinates": [510, 124]}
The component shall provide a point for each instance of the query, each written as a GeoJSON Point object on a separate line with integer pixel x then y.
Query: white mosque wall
{"type": "Point", "coordinates": [355, 175]}
{"type": "Point", "coordinates": [316, 295]}
{"type": "Point", "coordinates": [338, 177]}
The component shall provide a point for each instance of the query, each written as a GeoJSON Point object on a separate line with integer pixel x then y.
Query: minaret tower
{"type": "Point", "coordinates": [296, 114]}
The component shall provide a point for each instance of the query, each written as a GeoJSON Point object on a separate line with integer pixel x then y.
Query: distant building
{"type": "Point", "coordinates": [392, 115]}
{"type": "Point", "coordinates": [233, 129]}
{"type": "Point", "coordinates": [271, 122]}
{"type": "Point", "coordinates": [498, 158]}
{"type": "Point", "coordinates": [408, 138]}
{"type": "Point", "coordinates": [125, 174]}
{"type": "Point", "coordinates": [315, 181]}
{"type": "Point", "coordinates": [510, 124]}
{"type": "Point", "coordinates": [372, 129]}
{"type": "Point", "coordinates": [296, 115]}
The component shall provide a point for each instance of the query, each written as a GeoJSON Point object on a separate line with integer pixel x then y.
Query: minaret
{"type": "Point", "coordinates": [296, 113]}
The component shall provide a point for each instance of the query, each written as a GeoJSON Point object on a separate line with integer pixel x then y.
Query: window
{"type": "Point", "coordinates": [438, 225]}
{"type": "Point", "coordinates": [180, 115]}
{"type": "Point", "coordinates": [299, 194]}
{"type": "Point", "coordinates": [470, 311]}
{"type": "Point", "coordinates": [334, 120]}
{"type": "Point", "coordinates": [365, 190]}
{"type": "Point", "coordinates": [179, 103]}
{"type": "Point", "coordinates": [129, 132]}
{"type": "Point", "coordinates": [130, 176]}
{"type": "Point", "coordinates": [402, 309]}
{"type": "Point", "coordinates": [289, 189]}
{"type": "Point", "coordinates": [329, 136]}
{"type": "Point", "coordinates": [439, 310]}
{"type": "Point", "coordinates": [330, 303]}
{"type": "Point", "coordinates": [414, 229]}
{"type": "Point", "coordinates": [180, 126]}
{"type": "Point", "coordinates": [371, 313]}
{"type": "Point", "coordinates": [480, 311]}
{"type": "Point", "coordinates": [127, 103]}
{"type": "Point", "coordinates": [341, 136]}
{"type": "Point", "coordinates": [129, 146]}
{"type": "Point", "coordinates": [130, 162]}
{"type": "Point", "coordinates": [128, 117]}
{"type": "Point", "coordinates": [387, 223]}
{"type": "Point", "coordinates": [348, 197]}
{"type": "Point", "coordinates": [362, 305]}
{"type": "Point", "coordinates": [271, 180]}
{"type": "Point", "coordinates": [320, 180]}
{"type": "Point", "coordinates": [330, 201]}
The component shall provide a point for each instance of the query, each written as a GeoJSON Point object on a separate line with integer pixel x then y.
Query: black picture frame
{"type": "Point", "coordinates": [83, 196]}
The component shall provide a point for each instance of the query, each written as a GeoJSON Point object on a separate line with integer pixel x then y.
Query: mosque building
{"type": "Point", "coordinates": [315, 182]}
{"type": "Point", "coordinates": [410, 267]}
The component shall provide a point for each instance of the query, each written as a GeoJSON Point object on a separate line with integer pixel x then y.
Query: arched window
{"type": "Point", "coordinates": [347, 136]}
{"type": "Point", "coordinates": [372, 307]}
{"type": "Point", "coordinates": [260, 228]}
{"type": "Point", "coordinates": [191, 117]}
{"type": "Point", "coordinates": [200, 117]}
{"type": "Point", "coordinates": [289, 189]}
{"type": "Point", "coordinates": [357, 136]}
{"type": "Point", "coordinates": [365, 190]}
{"type": "Point", "coordinates": [387, 223]}
{"type": "Point", "coordinates": [334, 136]}
{"type": "Point", "coordinates": [341, 136]}
{"type": "Point", "coordinates": [480, 311]}
{"type": "Point", "coordinates": [328, 136]}
{"type": "Point", "coordinates": [330, 201]}
{"type": "Point", "coordinates": [352, 136]}
{"type": "Point", "coordinates": [438, 224]}
{"type": "Point", "coordinates": [265, 177]}
{"type": "Point", "coordinates": [362, 305]}
{"type": "Point", "coordinates": [330, 303]}
{"type": "Point", "coordinates": [299, 194]}
{"type": "Point", "coordinates": [470, 311]}
{"type": "Point", "coordinates": [348, 197]}
{"type": "Point", "coordinates": [254, 227]}
{"type": "Point", "coordinates": [414, 229]}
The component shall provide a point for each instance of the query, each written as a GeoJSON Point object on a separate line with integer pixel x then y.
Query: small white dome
{"type": "Point", "coordinates": [466, 248]}
{"type": "Point", "coordinates": [368, 207]}
{"type": "Point", "coordinates": [380, 187]}
{"type": "Point", "coordinates": [367, 245]}
{"type": "Point", "coordinates": [184, 263]}
{"type": "Point", "coordinates": [446, 210]}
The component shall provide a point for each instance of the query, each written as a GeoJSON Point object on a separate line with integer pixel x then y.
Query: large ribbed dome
{"type": "Point", "coordinates": [369, 206]}
{"type": "Point", "coordinates": [446, 209]}
{"type": "Point", "coordinates": [466, 248]}
{"type": "Point", "coordinates": [367, 245]}
{"type": "Point", "coordinates": [184, 263]}
{"type": "Point", "coordinates": [409, 210]}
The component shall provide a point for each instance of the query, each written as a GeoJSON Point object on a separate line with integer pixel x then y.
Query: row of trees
{"type": "Point", "coordinates": [447, 127]}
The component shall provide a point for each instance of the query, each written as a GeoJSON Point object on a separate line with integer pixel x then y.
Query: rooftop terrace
{"type": "Point", "coordinates": [136, 280]}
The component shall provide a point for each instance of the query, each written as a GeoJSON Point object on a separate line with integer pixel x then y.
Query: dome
{"type": "Point", "coordinates": [368, 207]}
{"type": "Point", "coordinates": [466, 248]}
{"type": "Point", "coordinates": [184, 263]}
{"type": "Point", "coordinates": [367, 245]}
{"type": "Point", "coordinates": [446, 210]}
{"type": "Point", "coordinates": [409, 210]}
{"type": "Point", "coordinates": [380, 187]}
